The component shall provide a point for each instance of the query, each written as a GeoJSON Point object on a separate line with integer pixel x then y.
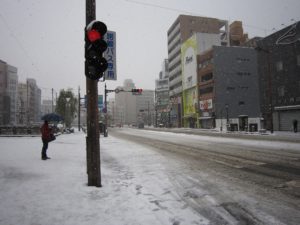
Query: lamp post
{"type": "Point", "coordinates": [67, 110]}
{"type": "Point", "coordinates": [227, 116]}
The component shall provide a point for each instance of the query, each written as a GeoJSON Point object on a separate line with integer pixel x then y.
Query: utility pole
{"type": "Point", "coordinates": [52, 100]}
{"type": "Point", "coordinates": [79, 108]}
{"type": "Point", "coordinates": [92, 139]}
{"type": "Point", "coordinates": [105, 105]}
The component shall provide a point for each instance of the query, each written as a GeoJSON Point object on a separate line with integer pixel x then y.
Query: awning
{"type": "Point", "coordinates": [287, 107]}
{"type": "Point", "coordinates": [193, 115]}
{"type": "Point", "coordinates": [205, 118]}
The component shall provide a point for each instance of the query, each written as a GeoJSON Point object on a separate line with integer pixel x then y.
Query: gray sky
{"type": "Point", "coordinates": [45, 40]}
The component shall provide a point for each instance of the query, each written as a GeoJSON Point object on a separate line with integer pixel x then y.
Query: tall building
{"type": "Point", "coordinates": [8, 94]}
{"type": "Point", "coordinates": [22, 104]}
{"type": "Point", "coordinates": [236, 99]}
{"type": "Point", "coordinates": [162, 106]}
{"type": "Point", "coordinates": [132, 109]}
{"type": "Point", "coordinates": [46, 107]}
{"type": "Point", "coordinates": [220, 88]}
{"type": "Point", "coordinates": [195, 45]}
{"type": "Point", "coordinates": [29, 102]}
{"type": "Point", "coordinates": [182, 29]}
{"type": "Point", "coordinates": [279, 70]}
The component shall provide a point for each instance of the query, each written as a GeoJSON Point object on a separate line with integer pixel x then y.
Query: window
{"type": "Point", "coordinates": [230, 88]}
{"type": "Point", "coordinates": [279, 66]}
{"type": "Point", "coordinates": [207, 77]}
{"type": "Point", "coordinates": [243, 73]}
{"type": "Point", "coordinates": [239, 59]}
{"type": "Point", "coordinates": [206, 90]}
{"type": "Point", "coordinates": [281, 91]}
{"type": "Point", "coordinates": [241, 103]}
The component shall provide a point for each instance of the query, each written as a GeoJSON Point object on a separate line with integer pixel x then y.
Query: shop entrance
{"type": "Point", "coordinates": [243, 123]}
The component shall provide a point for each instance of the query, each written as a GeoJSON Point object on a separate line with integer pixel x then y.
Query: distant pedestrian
{"type": "Point", "coordinates": [295, 125]}
{"type": "Point", "coordinates": [46, 132]}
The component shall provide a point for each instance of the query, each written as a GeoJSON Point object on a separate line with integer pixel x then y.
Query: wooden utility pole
{"type": "Point", "coordinates": [92, 139]}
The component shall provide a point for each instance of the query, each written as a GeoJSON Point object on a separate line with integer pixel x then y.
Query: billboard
{"type": "Point", "coordinates": [190, 101]}
{"type": "Point", "coordinates": [205, 105]}
{"type": "Point", "coordinates": [189, 63]}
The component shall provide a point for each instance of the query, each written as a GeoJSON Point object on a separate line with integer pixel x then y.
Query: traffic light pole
{"type": "Point", "coordinates": [106, 91]}
{"type": "Point", "coordinates": [92, 139]}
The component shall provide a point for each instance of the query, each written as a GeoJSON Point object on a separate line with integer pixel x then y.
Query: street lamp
{"type": "Point", "coordinates": [67, 110]}
{"type": "Point", "coordinates": [227, 118]}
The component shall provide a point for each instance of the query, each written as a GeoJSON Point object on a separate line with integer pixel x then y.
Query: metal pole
{"type": "Point", "coordinates": [79, 108]}
{"type": "Point", "coordinates": [105, 105]}
{"type": "Point", "coordinates": [148, 120]}
{"type": "Point", "coordinates": [92, 139]}
{"type": "Point", "coordinates": [52, 100]}
{"type": "Point", "coordinates": [270, 92]}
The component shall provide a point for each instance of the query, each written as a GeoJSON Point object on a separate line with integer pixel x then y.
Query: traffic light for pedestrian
{"type": "Point", "coordinates": [136, 91]}
{"type": "Point", "coordinates": [95, 45]}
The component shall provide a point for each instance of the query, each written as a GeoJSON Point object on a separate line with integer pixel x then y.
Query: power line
{"type": "Point", "coordinates": [187, 12]}
{"type": "Point", "coordinates": [159, 6]}
{"type": "Point", "coordinates": [25, 52]}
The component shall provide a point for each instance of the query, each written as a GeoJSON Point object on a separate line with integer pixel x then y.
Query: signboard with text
{"type": "Point", "coordinates": [100, 102]}
{"type": "Point", "coordinates": [206, 104]}
{"type": "Point", "coordinates": [110, 56]}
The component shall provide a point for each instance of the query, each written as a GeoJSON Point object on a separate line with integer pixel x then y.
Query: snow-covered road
{"type": "Point", "coordinates": [141, 185]}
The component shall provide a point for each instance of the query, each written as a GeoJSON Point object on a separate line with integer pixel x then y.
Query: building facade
{"type": "Point", "coordinates": [162, 106]}
{"type": "Point", "coordinates": [8, 94]}
{"type": "Point", "coordinates": [133, 108]}
{"type": "Point", "coordinates": [228, 89]}
{"type": "Point", "coordinates": [182, 29]}
{"type": "Point", "coordinates": [195, 45]}
{"type": "Point", "coordinates": [279, 69]}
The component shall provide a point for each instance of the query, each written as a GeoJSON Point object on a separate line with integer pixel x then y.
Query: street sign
{"type": "Point", "coordinates": [110, 56]}
{"type": "Point", "coordinates": [100, 102]}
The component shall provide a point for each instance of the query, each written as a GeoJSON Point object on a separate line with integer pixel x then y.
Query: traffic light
{"type": "Point", "coordinates": [95, 63]}
{"type": "Point", "coordinates": [136, 91]}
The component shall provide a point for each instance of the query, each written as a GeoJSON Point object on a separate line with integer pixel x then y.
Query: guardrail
{"type": "Point", "coordinates": [15, 130]}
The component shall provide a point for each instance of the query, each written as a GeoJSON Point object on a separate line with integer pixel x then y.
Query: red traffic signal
{"type": "Point", "coordinates": [136, 91]}
{"type": "Point", "coordinates": [95, 63]}
{"type": "Point", "coordinates": [93, 35]}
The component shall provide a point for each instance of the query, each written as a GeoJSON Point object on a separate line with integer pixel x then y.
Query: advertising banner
{"type": "Point", "coordinates": [190, 101]}
{"type": "Point", "coordinates": [189, 63]}
{"type": "Point", "coordinates": [205, 104]}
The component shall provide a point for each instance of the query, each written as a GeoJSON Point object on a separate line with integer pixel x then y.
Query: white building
{"type": "Point", "coordinates": [130, 108]}
{"type": "Point", "coordinates": [8, 94]}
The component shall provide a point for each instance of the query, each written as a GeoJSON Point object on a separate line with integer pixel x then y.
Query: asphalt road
{"type": "Point", "coordinates": [229, 180]}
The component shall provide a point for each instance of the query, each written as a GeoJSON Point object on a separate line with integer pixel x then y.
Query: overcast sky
{"type": "Point", "coordinates": [45, 40]}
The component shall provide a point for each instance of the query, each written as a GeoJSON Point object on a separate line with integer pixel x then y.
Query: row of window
{"type": "Point", "coordinates": [238, 59]}
{"type": "Point", "coordinates": [239, 87]}
{"type": "Point", "coordinates": [210, 89]}
{"type": "Point", "coordinates": [205, 63]}
{"type": "Point", "coordinates": [279, 64]}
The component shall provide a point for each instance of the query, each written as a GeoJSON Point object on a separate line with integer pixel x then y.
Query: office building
{"type": "Point", "coordinates": [182, 29]}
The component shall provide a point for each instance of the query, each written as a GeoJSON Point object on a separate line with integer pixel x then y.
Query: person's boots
{"type": "Point", "coordinates": [44, 156]}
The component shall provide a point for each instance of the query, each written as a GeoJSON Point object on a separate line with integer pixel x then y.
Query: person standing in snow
{"type": "Point", "coordinates": [295, 125]}
{"type": "Point", "coordinates": [46, 137]}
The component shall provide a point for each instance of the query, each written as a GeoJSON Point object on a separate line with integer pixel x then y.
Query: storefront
{"type": "Point", "coordinates": [285, 116]}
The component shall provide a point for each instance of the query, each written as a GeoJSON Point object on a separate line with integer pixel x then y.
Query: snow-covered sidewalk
{"type": "Point", "coordinates": [54, 192]}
